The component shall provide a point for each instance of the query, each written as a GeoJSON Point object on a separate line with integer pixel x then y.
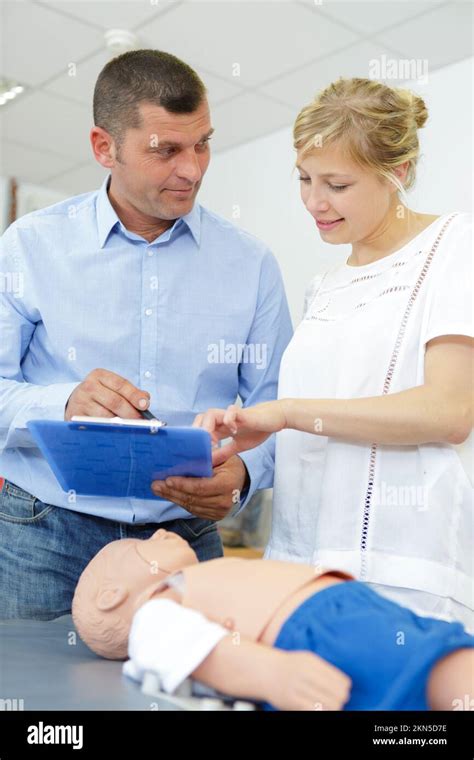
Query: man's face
{"type": "Point", "coordinates": [160, 166]}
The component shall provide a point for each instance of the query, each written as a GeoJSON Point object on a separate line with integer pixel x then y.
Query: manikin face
{"type": "Point", "coordinates": [137, 571]}
{"type": "Point", "coordinates": [118, 581]}
{"type": "Point", "coordinates": [333, 187]}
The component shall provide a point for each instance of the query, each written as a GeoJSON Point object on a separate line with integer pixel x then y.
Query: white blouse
{"type": "Point", "coordinates": [388, 514]}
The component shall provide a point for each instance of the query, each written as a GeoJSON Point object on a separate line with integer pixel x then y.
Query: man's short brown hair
{"type": "Point", "coordinates": [140, 76]}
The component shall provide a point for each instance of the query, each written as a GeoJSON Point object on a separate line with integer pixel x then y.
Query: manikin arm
{"type": "Point", "coordinates": [176, 642]}
{"type": "Point", "coordinates": [288, 680]}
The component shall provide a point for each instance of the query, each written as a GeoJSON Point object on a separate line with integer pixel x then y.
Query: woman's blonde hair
{"type": "Point", "coordinates": [375, 125]}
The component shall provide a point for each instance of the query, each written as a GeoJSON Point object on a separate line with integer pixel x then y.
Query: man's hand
{"type": "Point", "coordinates": [305, 681]}
{"type": "Point", "coordinates": [105, 394]}
{"type": "Point", "coordinates": [212, 498]}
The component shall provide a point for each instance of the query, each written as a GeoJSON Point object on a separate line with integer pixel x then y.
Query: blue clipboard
{"type": "Point", "coordinates": [99, 459]}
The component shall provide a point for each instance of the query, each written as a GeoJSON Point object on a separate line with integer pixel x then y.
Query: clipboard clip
{"type": "Point", "coordinates": [153, 424]}
{"type": "Point", "coordinates": [149, 416]}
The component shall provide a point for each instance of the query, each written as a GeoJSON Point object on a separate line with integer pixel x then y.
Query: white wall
{"type": "Point", "coordinates": [257, 178]}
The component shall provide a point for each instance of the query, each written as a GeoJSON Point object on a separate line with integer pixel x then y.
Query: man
{"type": "Point", "coordinates": [129, 298]}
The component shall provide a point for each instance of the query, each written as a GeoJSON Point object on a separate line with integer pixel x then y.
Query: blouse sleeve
{"type": "Point", "coordinates": [450, 298]}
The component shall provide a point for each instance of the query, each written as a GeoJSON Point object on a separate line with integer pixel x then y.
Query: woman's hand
{"type": "Point", "coordinates": [248, 427]}
{"type": "Point", "coordinates": [305, 681]}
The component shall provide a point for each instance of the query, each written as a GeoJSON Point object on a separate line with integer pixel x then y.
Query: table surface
{"type": "Point", "coordinates": [46, 665]}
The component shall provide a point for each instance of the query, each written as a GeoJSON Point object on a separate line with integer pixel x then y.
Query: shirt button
{"type": "Point", "coordinates": [148, 312]}
{"type": "Point", "coordinates": [147, 373]}
{"type": "Point", "coordinates": [150, 251]}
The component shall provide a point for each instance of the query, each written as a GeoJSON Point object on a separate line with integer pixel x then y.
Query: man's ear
{"type": "Point", "coordinates": [110, 597]}
{"type": "Point", "coordinates": [103, 147]}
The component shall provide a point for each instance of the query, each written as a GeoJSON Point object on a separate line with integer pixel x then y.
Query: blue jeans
{"type": "Point", "coordinates": [44, 549]}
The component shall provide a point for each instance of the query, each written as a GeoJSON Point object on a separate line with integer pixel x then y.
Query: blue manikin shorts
{"type": "Point", "coordinates": [387, 650]}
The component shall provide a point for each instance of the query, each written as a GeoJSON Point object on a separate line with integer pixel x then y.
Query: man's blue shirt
{"type": "Point", "coordinates": [196, 317]}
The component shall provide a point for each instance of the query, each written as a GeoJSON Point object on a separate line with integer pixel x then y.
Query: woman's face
{"type": "Point", "coordinates": [333, 187]}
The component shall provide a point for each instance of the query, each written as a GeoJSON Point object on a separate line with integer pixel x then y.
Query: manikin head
{"type": "Point", "coordinates": [118, 581]}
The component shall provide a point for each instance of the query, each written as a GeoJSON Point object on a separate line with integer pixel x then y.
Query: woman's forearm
{"type": "Point", "coordinates": [417, 415]}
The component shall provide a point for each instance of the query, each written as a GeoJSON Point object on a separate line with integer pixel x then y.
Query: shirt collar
{"type": "Point", "coordinates": [107, 218]}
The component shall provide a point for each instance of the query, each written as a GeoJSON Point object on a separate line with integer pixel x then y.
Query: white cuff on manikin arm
{"type": "Point", "coordinates": [170, 640]}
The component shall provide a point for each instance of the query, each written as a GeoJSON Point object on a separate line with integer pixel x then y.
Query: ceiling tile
{"type": "Point", "coordinates": [264, 39]}
{"type": "Point", "coordinates": [247, 117]}
{"type": "Point", "coordinates": [299, 88]}
{"type": "Point", "coordinates": [442, 36]}
{"type": "Point", "coordinates": [78, 83]}
{"type": "Point", "coordinates": [218, 89]}
{"type": "Point", "coordinates": [45, 121]}
{"type": "Point", "coordinates": [369, 17]}
{"type": "Point", "coordinates": [39, 43]}
{"type": "Point", "coordinates": [110, 14]}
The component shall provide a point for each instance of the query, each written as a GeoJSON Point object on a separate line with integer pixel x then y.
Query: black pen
{"type": "Point", "coordinates": [149, 416]}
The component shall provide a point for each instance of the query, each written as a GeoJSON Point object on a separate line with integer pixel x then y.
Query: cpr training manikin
{"type": "Point", "coordinates": [284, 635]}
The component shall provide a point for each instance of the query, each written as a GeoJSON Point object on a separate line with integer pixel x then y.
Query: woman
{"type": "Point", "coordinates": [375, 386]}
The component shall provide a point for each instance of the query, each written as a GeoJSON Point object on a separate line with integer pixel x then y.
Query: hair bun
{"type": "Point", "coordinates": [419, 111]}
